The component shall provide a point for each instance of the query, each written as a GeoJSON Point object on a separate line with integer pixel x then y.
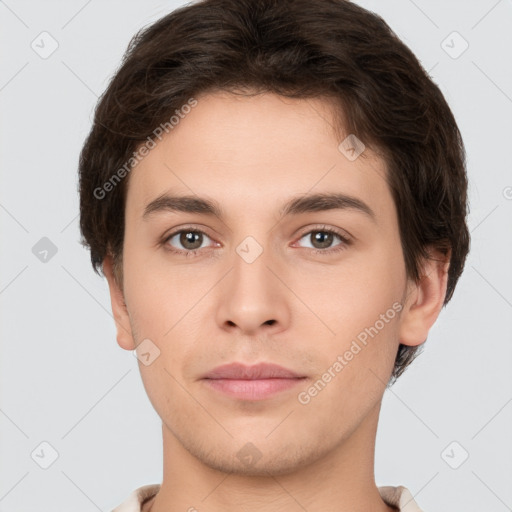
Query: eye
{"type": "Point", "coordinates": [186, 241]}
{"type": "Point", "coordinates": [321, 240]}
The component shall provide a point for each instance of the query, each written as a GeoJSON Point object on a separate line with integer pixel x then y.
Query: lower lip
{"type": "Point", "coordinates": [257, 389]}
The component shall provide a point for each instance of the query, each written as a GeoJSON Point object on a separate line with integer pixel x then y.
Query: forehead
{"type": "Point", "coordinates": [254, 152]}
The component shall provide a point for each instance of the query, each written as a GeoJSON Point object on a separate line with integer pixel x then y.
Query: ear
{"type": "Point", "coordinates": [121, 316]}
{"type": "Point", "coordinates": [425, 299]}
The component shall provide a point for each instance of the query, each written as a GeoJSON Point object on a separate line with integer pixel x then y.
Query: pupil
{"type": "Point", "coordinates": [323, 239]}
{"type": "Point", "coordinates": [191, 237]}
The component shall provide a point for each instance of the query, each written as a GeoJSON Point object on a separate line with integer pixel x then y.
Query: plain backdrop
{"type": "Point", "coordinates": [445, 429]}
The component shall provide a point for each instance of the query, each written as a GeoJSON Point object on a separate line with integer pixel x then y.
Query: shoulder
{"type": "Point", "coordinates": [134, 501]}
{"type": "Point", "coordinates": [399, 497]}
{"type": "Point", "coordinates": [395, 496]}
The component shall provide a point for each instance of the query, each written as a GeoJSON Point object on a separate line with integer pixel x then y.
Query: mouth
{"type": "Point", "coordinates": [257, 382]}
{"type": "Point", "coordinates": [255, 389]}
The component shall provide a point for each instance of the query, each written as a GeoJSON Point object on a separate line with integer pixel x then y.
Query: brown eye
{"type": "Point", "coordinates": [187, 240]}
{"type": "Point", "coordinates": [191, 239]}
{"type": "Point", "coordinates": [321, 239]}
{"type": "Point", "coordinates": [324, 241]}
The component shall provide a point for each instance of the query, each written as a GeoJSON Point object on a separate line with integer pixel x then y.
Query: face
{"type": "Point", "coordinates": [252, 272]}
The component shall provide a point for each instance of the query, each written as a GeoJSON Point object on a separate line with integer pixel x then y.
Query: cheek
{"type": "Point", "coordinates": [161, 296]}
{"type": "Point", "coordinates": [352, 296]}
{"type": "Point", "coordinates": [361, 304]}
{"type": "Point", "coordinates": [353, 369]}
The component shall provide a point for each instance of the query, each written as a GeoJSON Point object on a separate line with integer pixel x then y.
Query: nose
{"type": "Point", "coordinates": [252, 299]}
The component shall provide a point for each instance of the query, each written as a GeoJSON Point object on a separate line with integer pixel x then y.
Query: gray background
{"type": "Point", "coordinates": [65, 381]}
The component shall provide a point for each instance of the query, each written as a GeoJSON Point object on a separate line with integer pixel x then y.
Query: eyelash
{"type": "Point", "coordinates": [321, 229]}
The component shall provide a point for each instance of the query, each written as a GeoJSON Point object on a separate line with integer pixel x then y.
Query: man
{"type": "Point", "coordinates": [276, 194]}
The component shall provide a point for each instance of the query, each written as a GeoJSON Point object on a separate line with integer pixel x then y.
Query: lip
{"type": "Point", "coordinates": [257, 371]}
{"type": "Point", "coordinates": [256, 382]}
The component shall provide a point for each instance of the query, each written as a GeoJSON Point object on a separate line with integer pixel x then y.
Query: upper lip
{"type": "Point", "coordinates": [257, 371]}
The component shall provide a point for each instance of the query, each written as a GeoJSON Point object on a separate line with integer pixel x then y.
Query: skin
{"type": "Point", "coordinates": [252, 155]}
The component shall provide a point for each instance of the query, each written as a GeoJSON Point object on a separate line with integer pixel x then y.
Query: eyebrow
{"type": "Point", "coordinates": [308, 203]}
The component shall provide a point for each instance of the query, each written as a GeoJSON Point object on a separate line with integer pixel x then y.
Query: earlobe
{"type": "Point", "coordinates": [425, 300]}
{"type": "Point", "coordinates": [119, 309]}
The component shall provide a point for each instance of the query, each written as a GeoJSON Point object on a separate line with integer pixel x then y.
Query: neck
{"type": "Point", "coordinates": [340, 480]}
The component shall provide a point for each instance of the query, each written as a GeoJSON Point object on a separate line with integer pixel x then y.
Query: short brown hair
{"type": "Point", "coordinates": [300, 49]}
